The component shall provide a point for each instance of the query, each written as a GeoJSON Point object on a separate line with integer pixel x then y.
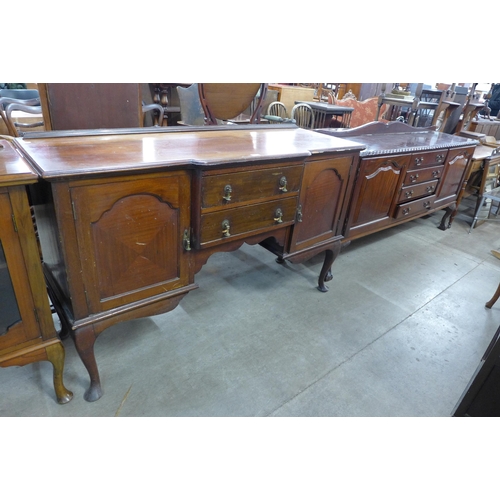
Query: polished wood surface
{"type": "Point", "coordinates": [127, 219]}
{"type": "Point", "coordinates": [225, 101]}
{"type": "Point", "coordinates": [66, 155]}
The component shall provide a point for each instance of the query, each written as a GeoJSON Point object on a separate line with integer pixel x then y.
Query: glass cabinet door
{"type": "Point", "coordinates": [18, 322]}
{"type": "Point", "coordinates": [9, 311]}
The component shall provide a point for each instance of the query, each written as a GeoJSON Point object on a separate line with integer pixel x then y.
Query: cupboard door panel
{"type": "Point", "coordinates": [130, 238]}
{"type": "Point", "coordinates": [377, 185]}
{"type": "Point", "coordinates": [324, 187]}
{"type": "Point", "coordinates": [454, 173]}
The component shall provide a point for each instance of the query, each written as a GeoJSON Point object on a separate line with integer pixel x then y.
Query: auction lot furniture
{"type": "Point", "coordinates": [127, 217]}
{"type": "Point", "coordinates": [27, 332]}
{"type": "Point", "coordinates": [403, 173]}
{"type": "Point", "coordinates": [324, 113]}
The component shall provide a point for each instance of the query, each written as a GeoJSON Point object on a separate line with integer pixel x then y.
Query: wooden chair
{"type": "Point", "coordinates": [191, 109]}
{"type": "Point", "coordinates": [76, 106]}
{"type": "Point", "coordinates": [226, 101]}
{"type": "Point", "coordinates": [32, 106]}
{"type": "Point", "coordinates": [491, 302]}
{"type": "Point", "coordinates": [303, 115]}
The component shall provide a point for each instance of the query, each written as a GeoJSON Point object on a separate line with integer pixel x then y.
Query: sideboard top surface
{"type": "Point", "coordinates": [405, 143]}
{"type": "Point", "coordinates": [13, 169]}
{"type": "Point", "coordinates": [60, 155]}
{"type": "Point", "coordinates": [398, 138]}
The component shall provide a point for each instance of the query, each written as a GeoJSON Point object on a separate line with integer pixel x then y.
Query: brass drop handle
{"type": "Point", "coordinates": [439, 157]}
{"type": "Point", "coordinates": [414, 178]}
{"type": "Point", "coordinates": [418, 161]}
{"type": "Point", "coordinates": [427, 205]}
{"type": "Point", "coordinates": [409, 194]}
{"type": "Point", "coordinates": [430, 189]}
{"type": "Point", "coordinates": [227, 192]}
{"type": "Point", "coordinates": [435, 173]}
{"type": "Point", "coordinates": [279, 214]}
{"type": "Point", "coordinates": [406, 211]}
{"type": "Point", "coordinates": [225, 228]}
{"type": "Point", "coordinates": [282, 184]}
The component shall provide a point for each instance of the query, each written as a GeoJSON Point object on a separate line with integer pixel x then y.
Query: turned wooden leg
{"type": "Point", "coordinates": [326, 271]}
{"type": "Point", "coordinates": [448, 212]}
{"type": "Point", "coordinates": [493, 299]}
{"type": "Point", "coordinates": [84, 339]}
{"type": "Point", "coordinates": [55, 354]}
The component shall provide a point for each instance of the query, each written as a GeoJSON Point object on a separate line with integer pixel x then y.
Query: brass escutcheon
{"type": "Point", "coordinates": [279, 214]}
{"type": "Point", "coordinates": [225, 228]}
{"type": "Point", "coordinates": [299, 213]}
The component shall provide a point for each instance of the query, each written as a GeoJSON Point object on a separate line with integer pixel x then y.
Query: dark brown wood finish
{"type": "Point", "coordinates": [31, 336]}
{"type": "Point", "coordinates": [404, 173]}
{"type": "Point", "coordinates": [126, 219]}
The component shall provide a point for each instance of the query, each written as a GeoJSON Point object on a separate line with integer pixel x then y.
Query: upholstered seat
{"type": "Point", "coordinates": [364, 111]}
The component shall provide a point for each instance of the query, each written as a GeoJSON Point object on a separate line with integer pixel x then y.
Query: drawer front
{"type": "Point", "coordinates": [423, 175]}
{"type": "Point", "coordinates": [414, 207]}
{"type": "Point", "coordinates": [424, 160]}
{"type": "Point", "coordinates": [417, 191]}
{"type": "Point", "coordinates": [230, 223]}
{"type": "Point", "coordinates": [223, 190]}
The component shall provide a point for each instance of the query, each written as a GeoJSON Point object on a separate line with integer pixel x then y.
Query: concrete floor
{"type": "Point", "coordinates": [400, 333]}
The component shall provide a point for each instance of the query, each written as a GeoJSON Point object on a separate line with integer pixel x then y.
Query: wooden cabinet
{"type": "Point", "coordinates": [376, 184]}
{"type": "Point", "coordinates": [404, 173]}
{"type": "Point", "coordinates": [27, 332]}
{"type": "Point", "coordinates": [127, 218]}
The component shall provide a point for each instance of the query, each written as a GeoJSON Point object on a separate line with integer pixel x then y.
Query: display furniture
{"type": "Point", "coordinates": [127, 218]}
{"type": "Point", "coordinates": [27, 331]}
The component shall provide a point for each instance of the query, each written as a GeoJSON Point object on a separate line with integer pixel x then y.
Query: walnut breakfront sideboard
{"type": "Point", "coordinates": [127, 218]}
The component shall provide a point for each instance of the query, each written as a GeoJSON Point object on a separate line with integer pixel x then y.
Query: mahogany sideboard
{"type": "Point", "coordinates": [404, 173]}
{"type": "Point", "coordinates": [126, 218]}
{"type": "Point", "coordinates": [27, 332]}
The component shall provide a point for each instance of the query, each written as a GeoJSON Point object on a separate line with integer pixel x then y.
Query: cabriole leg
{"type": "Point", "coordinates": [85, 338]}
{"type": "Point", "coordinates": [326, 271]}
{"type": "Point", "coordinates": [55, 354]}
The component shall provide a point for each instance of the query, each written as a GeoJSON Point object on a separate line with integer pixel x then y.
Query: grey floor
{"type": "Point", "coordinates": [400, 333]}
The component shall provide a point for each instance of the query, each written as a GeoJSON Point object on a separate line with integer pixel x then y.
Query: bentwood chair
{"type": "Point", "coordinates": [303, 115]}
{"type": "Point", "coordinates": [77, 106]}
{"type": "Point", "coordinates": [226, 101]}
{"type": "Point", "coordinates": [26, 101]}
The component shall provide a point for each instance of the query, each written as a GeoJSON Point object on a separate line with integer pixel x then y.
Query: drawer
{"type": "Point", "coordinates": [423, 160]}
{"type": "Point", "coordinates": [423, 175]}
{"type": "Point", "coordinates": [418, 190]}
{"type": "Point", "coordinates": [223, 190]}
{"type": "Point", "coordinates": [414, 207]}
{"type": "Point", "coordinates": [225, 224]}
